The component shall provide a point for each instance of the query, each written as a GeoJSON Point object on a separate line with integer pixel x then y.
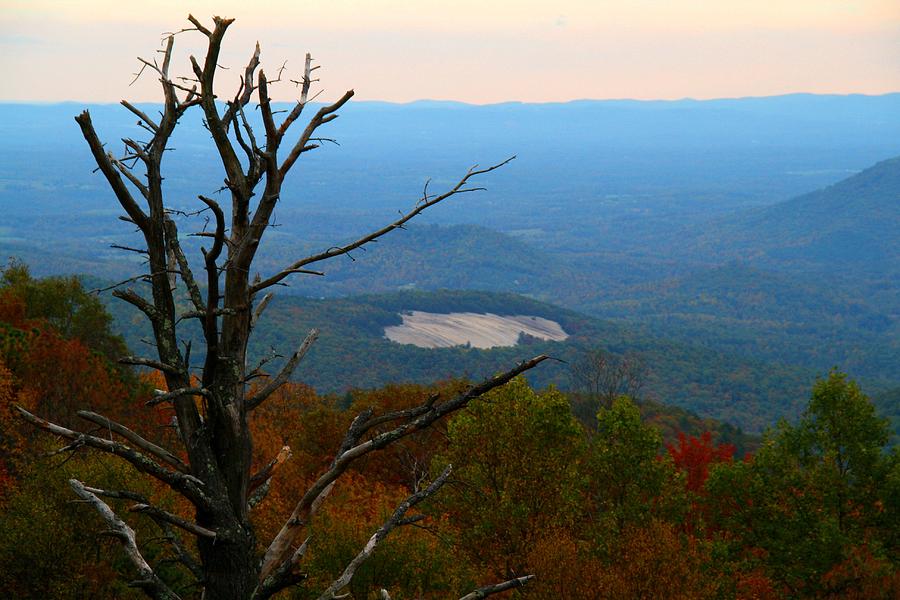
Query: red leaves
{"type": "Point", "coordinates": [694, 455]}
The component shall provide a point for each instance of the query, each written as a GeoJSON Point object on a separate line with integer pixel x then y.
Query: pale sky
{"type": "Point", "coordinates": [477, 51]}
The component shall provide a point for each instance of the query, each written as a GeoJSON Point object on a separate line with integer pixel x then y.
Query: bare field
{"type": "Point", "coordinates": [433, 330]}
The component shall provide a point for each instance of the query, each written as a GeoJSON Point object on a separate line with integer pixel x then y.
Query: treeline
{"type": "Point", "coordinates": [601, 507]}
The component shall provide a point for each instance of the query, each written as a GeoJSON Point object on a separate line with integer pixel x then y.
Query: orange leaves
{"type": "Point", "coordinates": [66, 377]}
{"type": "Point", "coordinates": [402, 464]}
{"type": "Point", "coordinates": [564, 567]}
{"type": "Point", "coordinates": [12, 308]}
{"type": "Point", "coordinates": [656, 561]}
{"type": "Point", "coordinates": [755, 585]}
{"type": "Point", "coordinates": [295, 416]}
{"type": "Point", "coordinates": [59, 375]}
{"type": "Point", "coordinates": [653, 561]}
{"type": "Point", "coordinates": [7, 439]}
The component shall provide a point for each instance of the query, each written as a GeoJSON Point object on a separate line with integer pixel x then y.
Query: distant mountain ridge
{"type": "Point", "coordinates": [813, 280]}
{"type": "Point", "coordinates": [854, 221]}
{"type": "Point", "coordinates": [687, 225]}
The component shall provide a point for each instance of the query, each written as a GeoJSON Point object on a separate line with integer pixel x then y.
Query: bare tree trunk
{"type": "Point", "coordinates": [212, 413]}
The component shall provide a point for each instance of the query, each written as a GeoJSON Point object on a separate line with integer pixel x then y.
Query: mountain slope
{"type": "Point", "coordinates": [430, 257]}
{"type": "Point", "coordinates": [352, 352]}
{"type": "Point", "coordinates": [852, 223]}
{"type": "Point", "coordinates": [787, 317]}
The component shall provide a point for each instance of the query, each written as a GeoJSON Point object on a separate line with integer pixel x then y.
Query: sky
{"type": "Point", "coordinates": [477, 51]}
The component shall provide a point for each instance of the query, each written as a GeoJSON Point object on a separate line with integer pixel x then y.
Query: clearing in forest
{"type": "Point", "coordinates": [434, 330]}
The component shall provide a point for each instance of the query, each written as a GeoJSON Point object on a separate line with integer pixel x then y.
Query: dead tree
{"type": "Point", "coordinates": [212, 470]}
{"type": "Point", "coordinates": [604, 376]}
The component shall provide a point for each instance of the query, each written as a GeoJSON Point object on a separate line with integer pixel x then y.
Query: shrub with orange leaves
{"type": "Point", "coordinates": [565, 567]}
{"type": "Point", "coordinates": [652, 561]}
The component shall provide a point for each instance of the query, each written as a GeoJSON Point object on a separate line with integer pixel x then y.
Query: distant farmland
{"type": "Point", "coordinates": [434, 330]}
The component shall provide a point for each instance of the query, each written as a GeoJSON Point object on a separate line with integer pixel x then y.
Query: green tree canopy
{"type": "Point", "coordinates": [516, 460]}
{"type": "Point", "coordinates": [63, 303]}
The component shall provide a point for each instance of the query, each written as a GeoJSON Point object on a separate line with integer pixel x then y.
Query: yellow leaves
{"type": "Point", "coordinates": [653, 561]}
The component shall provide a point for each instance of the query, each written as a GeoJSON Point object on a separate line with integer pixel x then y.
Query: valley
{"type": "Point", "coordinates": [746, 245]}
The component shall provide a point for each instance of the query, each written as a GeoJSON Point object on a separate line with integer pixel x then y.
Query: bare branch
{"type": "Point", "coordinates": [137, 301]}
{"type": "Point", "coordinates": [167, 57]}
{"type": "Point", "coordinates": [174, 394]}
{"type": "Point", "coordinates": [199, 26]}
{"type": "Point", "coordinates": [138, 150]}
{"type": "Point", "coordinates": [490, 590]}
{"type": "Point", "coordinates": [395, 520]}
{"type": "Point", "coordinates": [408, 413]}
{"type": "Point", "coordinates": [117, 494]}
{"type": "Point", "coordinates": [285, 372]}
{"type": "Point", "coordinates": [196, 314]}
{"type": "Point", "coordinates": [153, 364]}
{"type": "Point", "coordinates": [324, 115]}
{"type": "Point", "coordinates": [210, 324]}
{"type": "Point", "coordinates": [157, 513]}
{"type": "Point", "coordinates": [149, 582]}
{"type": "Point", "coordinates": [252, 150]}
{"type": "Point", "coordinates": [129, 174]}
{"type": "Point", "coordinates": [265, 107]}
{"type": "Point", "coordinates": [140, 115]}
{"type": "Point", "coordinates": [260, 308]}
{"type": "Point", "coordinates": [134, 438]}
{"type": "Point", "coordinates": [304, 98]}
{"type": "Point", "coordinates": [129, 249]}
{"type": "Point", "coordinates": [273, 177]}
{"type": "Point", "coordinates": [278, 550]}
{"type": "Point", "coordinates": [245, 92]}
{"type": "Point", "coordinates": [181, 553]}
{"type": "Point", "coordinates": [206, 76]}
{"type": "Point", "coordinates": [187, 275]}
{"type": "Point", "coordinates": [337, 251]}
{"type": "Point", "coordinates": [109, 171]}
{"type": "Point", "coordinates": [180, 482]}
{"type": "Point", "coordinates": [284, 574]}
{"type": "Point", "coordinates": [266, 472]}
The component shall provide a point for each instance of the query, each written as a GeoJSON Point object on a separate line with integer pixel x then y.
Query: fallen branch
{"type": "Point", "coordinates": [490, 590]}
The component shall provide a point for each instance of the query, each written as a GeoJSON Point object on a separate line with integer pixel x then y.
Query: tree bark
{"type": "Point", "coordinates": [212, 412]}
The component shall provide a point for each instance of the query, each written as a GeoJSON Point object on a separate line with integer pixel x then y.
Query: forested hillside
{"type": "Point", "coordinates": [633, 500]}
{"type": "Point", "coordinates": [744, 392]}
{"type": "Point", "coordinates": [754, 228]}
{"type": "Point", "coordinates": [732, 283]}
{"type": "Point", "coordinates": [277, 326]}
{"type": "Point", "coordinates": [849, 225]}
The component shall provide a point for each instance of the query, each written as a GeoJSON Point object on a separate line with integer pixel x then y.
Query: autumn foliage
{"type": "Point", "coordinates": [608, 511]}
{"type": "Point", "coordinates": [694, 455]}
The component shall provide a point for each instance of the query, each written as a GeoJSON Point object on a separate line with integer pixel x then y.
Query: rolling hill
{"type": "Point", "coordinates": [851, 224]}
{"type": "Point", "coordinates": [751, 394]}
{"type": "Point", "coordinates": [665, 220]}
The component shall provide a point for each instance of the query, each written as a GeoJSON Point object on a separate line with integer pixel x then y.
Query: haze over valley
{"type": "Point", "coordinates": [450, 300]}
{"type": "Point", "coordinates": [760, 230]}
